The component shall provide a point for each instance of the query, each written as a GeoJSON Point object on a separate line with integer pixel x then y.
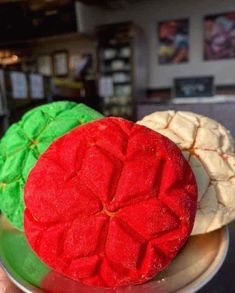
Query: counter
{"type": "Point", "coordinates": [222, 111]}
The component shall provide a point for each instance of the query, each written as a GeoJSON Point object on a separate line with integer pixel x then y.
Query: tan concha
{"type": "Point", "coordinates": [209, 149]}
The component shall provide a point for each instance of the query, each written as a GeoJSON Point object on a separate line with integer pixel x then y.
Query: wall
{"type": "Point", "coordinates": [147, 13]}
{"type": "Point", "coordinates": [72, 43]}
{"type": "Point", "coordinates": [88, 17]}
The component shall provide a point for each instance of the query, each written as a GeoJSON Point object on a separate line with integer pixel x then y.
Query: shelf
{"type": "Point", "coordinates": [204, 100]}
{"type": "Point", "coordinates": [219, 99]}
{"type": "Point", "coordinates": [115, 83]}
{"type": "Point", "coordinates": [116, 71]}
{"type": "Point", "coordinates": [121, 51]}
{"type": "Point", "coordinates": [115, 46]}
{"type": "Point", "coordinates": [107, 105]}
{"type": "Point", "coordinates": [116, 59]}
{"type": "Point", "coordinates": [153, 101]}
{"type": "Point", "coordinates": [51, 39]}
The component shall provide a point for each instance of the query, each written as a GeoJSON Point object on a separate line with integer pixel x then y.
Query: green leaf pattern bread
{"type": "Point", "coordinates": [25, 141]}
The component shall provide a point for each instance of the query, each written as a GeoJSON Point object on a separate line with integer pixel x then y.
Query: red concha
{"type": "Point", "coordinates": [110, 203]}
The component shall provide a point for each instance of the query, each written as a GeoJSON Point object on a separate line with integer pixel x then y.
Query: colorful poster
{"type": "Point", "coordinates": [219, 36]}
{"type": "Point", "coordinates": [173, 39]}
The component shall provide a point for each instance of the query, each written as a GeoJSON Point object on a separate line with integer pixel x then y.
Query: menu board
{"type": "Point", "coordinates": [19, 85]}
{"type": "Point", "coordinates": [36, 86]}
{"type": "Point", "coordinates": [201, 86]}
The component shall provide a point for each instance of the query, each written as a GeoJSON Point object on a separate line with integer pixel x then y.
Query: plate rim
{"type": "Point", "coordinates": [17, 283]}
{"type": "Point", "coordinates": [198, 283]}
{"type": "Point", "coordinates": [206, 276]}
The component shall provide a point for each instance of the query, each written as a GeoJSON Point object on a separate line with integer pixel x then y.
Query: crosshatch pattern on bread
{"type": "Point", "coordinates": [209, 149]}
{"type": "Point", "coordinates": [25, 141]}
{"type": "Point", "coordinates": [110, 204]}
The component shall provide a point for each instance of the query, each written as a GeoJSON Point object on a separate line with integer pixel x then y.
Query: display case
{"type": "Point", "coordinates": [121, 68]}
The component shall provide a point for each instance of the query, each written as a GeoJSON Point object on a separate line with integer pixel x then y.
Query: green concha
{"type": "Point", "coordinates": [25, 141]}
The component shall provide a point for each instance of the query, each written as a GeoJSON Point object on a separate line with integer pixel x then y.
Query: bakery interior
{"type": "Point", "coordinates": [124, 58]}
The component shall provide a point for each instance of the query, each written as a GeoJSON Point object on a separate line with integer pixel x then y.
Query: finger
{"type": "Point", "coordinates": [6, 286]}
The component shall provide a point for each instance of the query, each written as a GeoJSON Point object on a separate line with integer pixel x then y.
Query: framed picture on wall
{"type": "Point", "coordinates": [80, 64]}
{"type": "Point", "coordinates": [193, 87]}
{"type": "Point", "coordinates": [60, 63]}
{"type": "Point", "coordinates": [219, 36]}
{"type": "Point", "coordinates": [173, 41]}
{"type": "Point", "coordinates": [44, 65]}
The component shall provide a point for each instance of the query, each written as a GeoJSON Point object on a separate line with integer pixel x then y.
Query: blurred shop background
{"type": "Point", "coordinates": [122, 57]}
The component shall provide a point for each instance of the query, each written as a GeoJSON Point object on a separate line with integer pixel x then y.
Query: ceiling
{"type": "Point", "coordinates": [37, 4]}
{"type": "Point", "coordinates": [110, 3]}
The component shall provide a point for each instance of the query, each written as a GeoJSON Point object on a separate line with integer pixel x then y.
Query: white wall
{"type": "Point", "coordinates": [88, 17]}
{"type": "Point", "coordinates": [148, 13]}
